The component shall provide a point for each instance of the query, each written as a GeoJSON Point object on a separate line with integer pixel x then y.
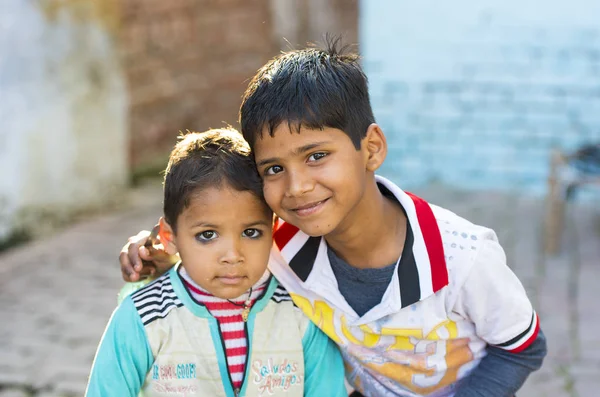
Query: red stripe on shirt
{"type": "Point", "coordinates": [433, 242]}
{"type": "Point", "coordinates": [284, 234]}
{"type": "Point", "coordinates": [229, 319]}
{"type": "Point", "coordinates": [236, 368]}
{"type": "Point", "coordinates": [234, 334]}
{"type": "Point", "coordinates": [236, 351]}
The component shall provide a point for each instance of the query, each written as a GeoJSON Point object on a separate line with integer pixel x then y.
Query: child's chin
{"type": "Point", "coordinates": [231, 292]}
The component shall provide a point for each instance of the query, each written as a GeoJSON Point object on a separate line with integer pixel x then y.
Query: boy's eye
{"type": "Point", "coordinates": [275, 169]}
{"type": "Point", "coordinates": [252, 233]}
{"type": "Point", "coordinates": [317, 156]}
{"type": "Point", "coordinates": [206, 235]}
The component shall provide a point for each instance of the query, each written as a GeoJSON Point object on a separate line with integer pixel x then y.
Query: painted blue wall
{"type": "Point", "coordinates": [476, 93]}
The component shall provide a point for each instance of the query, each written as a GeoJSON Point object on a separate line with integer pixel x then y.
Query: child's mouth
{"type": "Point", "coordinates": [231, 280]}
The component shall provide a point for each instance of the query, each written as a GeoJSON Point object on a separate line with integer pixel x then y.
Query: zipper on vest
{"type": "Point", "coordinates": [236, 390]}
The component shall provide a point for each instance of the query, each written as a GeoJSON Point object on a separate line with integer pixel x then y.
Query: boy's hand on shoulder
{"type": "Point", "coordinates": [144, 256]}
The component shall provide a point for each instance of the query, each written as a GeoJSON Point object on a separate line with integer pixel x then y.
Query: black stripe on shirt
{"type": "Point", "coordinates": [153, 315]}
{"type": "Point", "coordinates": [408, 275]}
{"type": "Point", "coordinates": [159, 294]}
{"type": "Point", "coordinates": [520, 336]}
{"type": "Point", "coordinates": [302, 263]}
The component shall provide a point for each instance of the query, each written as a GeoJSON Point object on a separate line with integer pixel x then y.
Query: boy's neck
{"type": "Point", "coordinates": [373, 234]}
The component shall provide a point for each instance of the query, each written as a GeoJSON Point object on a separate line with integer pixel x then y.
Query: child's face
{"type": "Point", "coordinates": [224, 238]}
{"type": "Point", "coordinates": [313, 179]}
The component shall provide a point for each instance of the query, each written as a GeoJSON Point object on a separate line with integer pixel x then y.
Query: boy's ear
{"type": "Point", "coordinates": [167, 237]}
{"type": "Point", "coordinates": [375, 146]}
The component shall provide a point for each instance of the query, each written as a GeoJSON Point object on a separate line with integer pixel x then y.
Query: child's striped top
{"type": "Point", "coordinates": [229, 317]}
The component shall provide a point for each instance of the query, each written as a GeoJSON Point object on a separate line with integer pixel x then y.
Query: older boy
{"type": "Point", "coordinates": [419, 300]}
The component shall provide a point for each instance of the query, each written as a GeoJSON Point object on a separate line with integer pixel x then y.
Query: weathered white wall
{"type": "Point", "coordinates": [63, 110]}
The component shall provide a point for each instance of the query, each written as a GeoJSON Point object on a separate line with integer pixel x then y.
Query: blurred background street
{"type": "Point", "coordinates": [490, 108]}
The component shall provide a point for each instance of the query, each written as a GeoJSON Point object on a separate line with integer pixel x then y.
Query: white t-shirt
{"type": "Point", "coordinates": [453, 295]}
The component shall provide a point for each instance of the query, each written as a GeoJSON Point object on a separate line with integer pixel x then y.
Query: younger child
{"type": "Point", "coordinates": [218, 323]}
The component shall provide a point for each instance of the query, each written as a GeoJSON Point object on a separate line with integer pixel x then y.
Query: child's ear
{"type": "Point", "coordinates": [167, 237]}
{"type": "Point", "coordinates": [375, 146]}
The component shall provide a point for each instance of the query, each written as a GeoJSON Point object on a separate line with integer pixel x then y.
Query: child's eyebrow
{"type": "Point", "coordinates": [295, 152]}
{"type": "Point", "coordinates": [247, 225]}
{"type": "Point", "coordinates": [257, 223]}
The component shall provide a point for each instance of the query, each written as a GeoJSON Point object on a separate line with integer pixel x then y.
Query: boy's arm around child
{"type": "Point", "coordinates": [493, 298]}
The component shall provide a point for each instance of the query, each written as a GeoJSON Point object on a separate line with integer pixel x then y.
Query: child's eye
{"type": "Point", "coordinates": [317, 156]}
{"type": "Point", "coordinates": [252, 233]}
{"type": "Point", "coordinates": [275, 169]}
{"type": "Point", "coordinates": [206, 235]}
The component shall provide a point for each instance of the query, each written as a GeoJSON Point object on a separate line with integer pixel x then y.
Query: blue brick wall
{"type": "Point", "coordinates": [475, 94]}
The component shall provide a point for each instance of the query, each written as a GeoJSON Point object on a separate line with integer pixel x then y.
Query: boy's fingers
{"type": "Point", "coordinates": [144, 254]}
{"type": "Point", "coordinates": [127, 271]}
{"type": "Point", "coordinates": [131, 263]}
{"type": "Point", "coordinates": [134, 256]}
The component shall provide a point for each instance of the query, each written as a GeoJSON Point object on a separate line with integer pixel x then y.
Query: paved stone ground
{"type": "Point", "coordinates": [56, 294]}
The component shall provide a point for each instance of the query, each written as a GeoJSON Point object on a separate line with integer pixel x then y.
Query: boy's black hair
{"type": "Point", "coordinates": [202, 160]}
{"type": "Point", "coordinates": [312, 88]}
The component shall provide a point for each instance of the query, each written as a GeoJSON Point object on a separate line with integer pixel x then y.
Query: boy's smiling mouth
{"type": "Point", "coordinates": [310, 208]}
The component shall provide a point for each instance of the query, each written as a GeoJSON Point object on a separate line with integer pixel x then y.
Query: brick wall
{"type": "Point", "coordinates": [187, 63]}
{"type": "Point", "coordinates": [476, 94]}
{"type": "Point", "coordinates": [346, 12]}
{"type": "Point", "coordinates": [296, 23]}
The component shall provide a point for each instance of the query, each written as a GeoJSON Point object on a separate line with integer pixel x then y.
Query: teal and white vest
{"type": "Point", "coordinates": [178, 329]}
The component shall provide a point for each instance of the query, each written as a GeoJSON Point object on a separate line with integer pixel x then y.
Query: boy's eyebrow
{"type": "Point", "coordinates": [295, 152]}
{"type": "Point", "coordinates": [203, 224]}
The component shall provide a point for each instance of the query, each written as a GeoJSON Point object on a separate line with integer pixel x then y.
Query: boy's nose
{"type": "Point", "coordinates": [299, 183]}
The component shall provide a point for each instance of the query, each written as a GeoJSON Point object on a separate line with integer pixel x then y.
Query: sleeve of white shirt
{"type": "Point", "coordinates": [494, 299]}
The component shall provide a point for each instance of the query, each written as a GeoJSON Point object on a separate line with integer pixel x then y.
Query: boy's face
{"type": "Point", "coordinates": [312, 179]}
{"type": "Point", "coordinates": [224, 238]}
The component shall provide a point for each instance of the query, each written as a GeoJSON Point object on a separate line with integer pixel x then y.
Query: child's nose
{"type": "Point", "coordinates": [231, 254]}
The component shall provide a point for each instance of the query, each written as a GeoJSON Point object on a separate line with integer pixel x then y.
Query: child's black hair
{"type": "Point", "coordinates": [207, 159]}
{"type": "Point", "coordinates": [311, 88]}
